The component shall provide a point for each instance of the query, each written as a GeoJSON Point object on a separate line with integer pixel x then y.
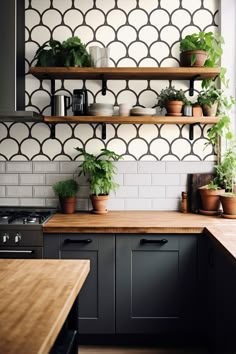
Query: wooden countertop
{"type": "Point", "coordinates": [224, 230]}
{"type": "Point", "coordinates": [35, 299]}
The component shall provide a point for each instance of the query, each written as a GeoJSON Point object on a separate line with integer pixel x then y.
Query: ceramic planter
{"type": "Point", "coordinates": [197, 111]}
{"type": "Point", "coordinates": [68, 205]}
{"type": "Point", "coordinates": [210, 198]}
{"type": "Point", "coordinates": [186, 57]}
{"type": "Point", "coordinates": [174, 108]}
{"type": "Point", "coordinates": [99, 203]}
{"type": "Point", "coordinates": [210, 111]}
{"type": "Point", "coordinates": [229, 205]}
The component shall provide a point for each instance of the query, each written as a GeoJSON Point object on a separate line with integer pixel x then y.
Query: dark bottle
{"type": "Point", "coordinates": [80, 102]}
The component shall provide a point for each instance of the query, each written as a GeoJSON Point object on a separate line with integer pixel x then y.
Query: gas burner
{"type": "Point", "coordinates": [25, 216]}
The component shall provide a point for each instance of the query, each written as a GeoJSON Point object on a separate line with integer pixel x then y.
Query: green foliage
{"type": "Point", "coordinates": [66, 189]}
{"type": "Point", "coordinates": [207, 41]}
{"type": "Point", "coordinates": [226, 170]}
{"type": "Point", "coordinates": [99, 170]}
{"type": "Point", "coordinates": [71, 52]}
{"type": "Point", "coordinates": [210, 96]}
{"type": "Point", "coordinates": [212, 185]}
{"type": "Point", "coordinates": [170, 94]}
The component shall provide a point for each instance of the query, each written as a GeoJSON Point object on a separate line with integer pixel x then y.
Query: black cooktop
{"type": "Point", "coordinates": [24, 215]}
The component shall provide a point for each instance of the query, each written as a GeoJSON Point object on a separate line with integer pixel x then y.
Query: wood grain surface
{"type": "Point", "coordinates": [35, 299]}
{"type": "Point", "coordinates": [224, 230]}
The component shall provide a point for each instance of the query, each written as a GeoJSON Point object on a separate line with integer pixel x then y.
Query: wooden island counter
{"type": "Point", "coordinates": [36, 297]}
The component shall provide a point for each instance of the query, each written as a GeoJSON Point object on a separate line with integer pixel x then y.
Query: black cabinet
{"type": "Point", "coordinates": [157, 283]}
{"type": "Point", "coordinates": [221, 299]}
{"type": "Point", "coordinates": [96, 299]}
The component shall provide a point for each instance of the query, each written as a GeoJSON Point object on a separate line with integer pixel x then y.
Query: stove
{"type": "Point", "coordinates": [21, 233]}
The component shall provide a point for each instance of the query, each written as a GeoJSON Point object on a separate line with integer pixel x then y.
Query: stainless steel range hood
{"type": "Point", "coordinates": [12, 63]}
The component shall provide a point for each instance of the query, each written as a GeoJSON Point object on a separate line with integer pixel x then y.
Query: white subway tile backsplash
{"type": "Point", "coordinates": [32, 202]}
{"type": "Point", "coordinates": [174, 191]}
{"type": "Point", "coordinates": [151, 167]}
{"type": "Point", "coordinates": [189, 167]}
{"type": "Point", "coordinates": [53, 178]}
{"type": "Point", "coordinates": [166, 204]}
{"type": "Point", "coordinates": [69, 167]}
{"type": "Point", "coordinates": [126, 192]}
{"type": "Point", "coordinates": [119, 179]}
{"type": "Point", "coordinates": [151, 192]}
{"type": "Point", "coordinates": [124, 167]}
{"type": "Point", "coordinates": [137, 179]}
{"type": "Point", "coordinates": [166, 179]}
{"type": "Point", "coordinates": [116, 204]}
{"type": "Point", "coordinates": [2, 192]}
{"type": "Point", "coordinates": [138, 204]}
{"type": "Point", "coordinates": [52, 203]}
{"type": "Point", "coordinates": [9, 201]}
{"type": "Point", "coordinates": [31, 179]}
{"type": "Point", "coordinates": [19, 191]}
{"type": "Point", "coordinates": [22, 167]}
{"type": "Point", "coordinates": [46, 167]}
{"type": "Point", "coordinates": [83, 192]}
{"type": "Point", "coordinates": [82, 204]}
{"type": "Point", "coordinates": [8, 179]}
{"type": "Point", "coordinates": [43, 191]}
{"type": "Point", "coordinates": [2, 167]}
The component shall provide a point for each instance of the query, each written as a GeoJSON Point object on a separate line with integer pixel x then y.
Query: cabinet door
{"type": "Point", "coordinates": [97, 297]}
{"type": "Point", "coordinates": [156, 283]}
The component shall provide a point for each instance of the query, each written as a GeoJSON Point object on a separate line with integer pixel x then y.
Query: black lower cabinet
{"type": "Point", "coordinates": [221, 300]}
{"type": "Point", "coordinates": [97, 297]}
{"type": "Point", "coordinates": [158, 284]}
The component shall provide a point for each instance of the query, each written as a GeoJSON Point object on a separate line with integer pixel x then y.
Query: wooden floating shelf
{"type": "Point", "coordinates": [132, 120]}
{"type": "Point", "coordinates": [127, 73]}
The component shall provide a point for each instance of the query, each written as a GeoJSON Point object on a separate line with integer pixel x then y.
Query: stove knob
{"type": "Point", "coordinates": [5, 237]}
{"type": "Point", "coordinates": [17, 238]}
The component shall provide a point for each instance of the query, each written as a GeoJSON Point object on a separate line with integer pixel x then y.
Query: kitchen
{"type": "Point", "coordinates": [156, 158]}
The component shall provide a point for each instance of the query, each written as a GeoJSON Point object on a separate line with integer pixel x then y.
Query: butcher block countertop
{"type": "Point", "coordinates": [224, 230]}
{"type": "Point", "coordinates": [35, 299]}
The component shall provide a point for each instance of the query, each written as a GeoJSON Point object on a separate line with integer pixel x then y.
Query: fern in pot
{"type": "Point", "coordinates": [100, 173]}
{"type": "Point", "coordinates": [66, 191]}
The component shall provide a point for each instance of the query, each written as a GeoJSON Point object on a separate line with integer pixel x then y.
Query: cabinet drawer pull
{"type": "Point", "coordinates": [161, 242]}
{"type": "Point", "coordinates": [86, 240]}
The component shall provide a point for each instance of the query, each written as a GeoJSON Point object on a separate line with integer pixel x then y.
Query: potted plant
{"type": "Point", "coordinates": [66, 191]}
{"type": "Point", "coordinates": [171, 99]}
{"type": "Point", "coordinates": [99, 170]}
{"type": "Point", "coordinates": [210, 198]}
{"type": "Point", "coordinates": [71, 52]}
{"type": "Point", "coordinates": [201, 49]}
{"type": "Point", "coordinates": [210, 99]}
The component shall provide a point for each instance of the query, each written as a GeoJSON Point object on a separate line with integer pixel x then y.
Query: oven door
{"type": "Point", "coordinates": [21, 252]}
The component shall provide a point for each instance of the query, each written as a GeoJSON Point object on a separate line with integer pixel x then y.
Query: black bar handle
{"type": "Point", "coordinates": [86, 240]}
{"type": "Point", "coordinates": [161, 242]}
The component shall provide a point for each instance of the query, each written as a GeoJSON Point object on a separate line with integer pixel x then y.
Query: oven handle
{"type": "Point", "coordinates": [86, 241]}
{"type": "Point", "coordinates": [16, 251]}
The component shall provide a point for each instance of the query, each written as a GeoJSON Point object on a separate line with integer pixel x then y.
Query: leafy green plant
{"type": "Point", "coordinates": [170, 94]}
{"type": "Point", "coordinates": [210, 96]}
{"type": "Point", "coordinates": [207, 41]}
{"type": "Point", "coordinates": [99, 171]}
{"type": "Point", "coordinates": [71, 52]}
{"type": "Point", "coordinates": [49, 54]}
{"type": "Point", "coordinates": [66, 189]}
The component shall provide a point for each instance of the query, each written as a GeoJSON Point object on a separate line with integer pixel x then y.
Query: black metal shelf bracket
{"type": "Point", "coordinates": [104, 131]}
{"type": "Point", "coordinates": [52, 97]}
{"type": "Point", "coordinates": [191, 84]}
{"type": "Point", "coordinates": [104, 86]}
{"type": "Point", "coordinates": [191, 130]}
{"type": "Point", "coordinates": [52, 130]}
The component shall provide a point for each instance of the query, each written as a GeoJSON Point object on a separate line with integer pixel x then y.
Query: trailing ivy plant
{"type": "Point", "coordinates": [99, 170]}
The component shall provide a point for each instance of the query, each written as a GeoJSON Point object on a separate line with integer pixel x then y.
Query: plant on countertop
{"type": "Point", "coordinates": [71, 52]}
{"type": "Point", "coordinates": [100, 171]}
{"type": "Point", "coordinates": [66, 191]}
{"type": "Point", "coordinates": [209, 42]}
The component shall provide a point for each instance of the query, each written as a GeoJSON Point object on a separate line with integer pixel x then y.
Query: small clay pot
{"type": "Point", "coordinates": [186, 58]}
{"type": "Point", "coordinates": [210, 111]}
{"type": "Point", "coordinates": [99, 203]}
{"type": "Point", "coordinates": [197, 111]}
{"type": "Point", "coordinates": [210, 198]}
{"type": "Point", "coordinates": [228, 204]}
{"type": "Point", "coordinates": [68, 205]}
{"type": "Point", "coordinates": [174, 108]}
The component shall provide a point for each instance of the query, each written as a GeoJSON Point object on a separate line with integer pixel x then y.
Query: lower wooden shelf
{"type": "Point", "coordinates": [132, 119]}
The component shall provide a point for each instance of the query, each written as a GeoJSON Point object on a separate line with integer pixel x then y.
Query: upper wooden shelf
{"type": "Point", "coordinates": [132, 120]}
{"type": "Point", "coordinates": [164, 73]}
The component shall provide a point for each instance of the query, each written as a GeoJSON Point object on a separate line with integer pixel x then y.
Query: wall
{"type": "Point", "coordinates": [139, 33]}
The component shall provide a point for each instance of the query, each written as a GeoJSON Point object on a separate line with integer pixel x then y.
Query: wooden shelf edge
{"type": "Point", "coordinates": [132, 119]}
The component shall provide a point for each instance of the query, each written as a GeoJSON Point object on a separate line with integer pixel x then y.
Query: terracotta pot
{"type": "Point", "coordinates": [197, 111]}
{"type": "Point", "coordinates": [186, 57]}
{"type": "Point", "coordinates": [210, 198]}
{"type": "Point", "coordinates": [210, 111]}
{"type": "Point", "coordinates": [228, 204]}
{"type": "Point", "coordinates": [174, 108]}
{"type": "Point", "coordinates": [68, 205]}
{"type": "Point", "coordinates": [99, 203]}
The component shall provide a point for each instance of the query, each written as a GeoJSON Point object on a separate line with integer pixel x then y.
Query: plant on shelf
{"type": "Point", "coordinates": [172, 100]}
{"type": "Point", "coordinates": [71, 52]}
{"type": "Point", "coordinates": [210, 99]}
{"type": "Point", "coordinates": [100, 171]}
{"type": "Point", "coordinates": [201, 49]}
{"type": "Point", "coordinates": [66, 191]}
